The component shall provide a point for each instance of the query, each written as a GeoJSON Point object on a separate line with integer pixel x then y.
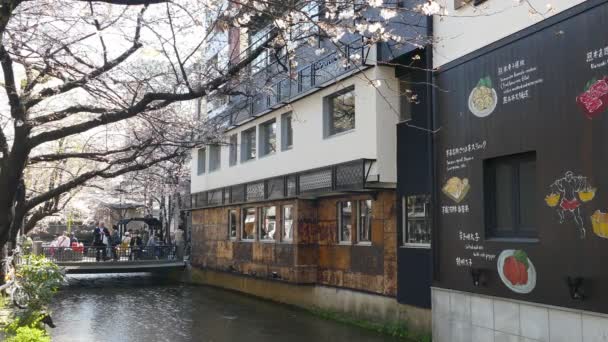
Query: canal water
{"type": "Point", "coordinates": [140, 307]}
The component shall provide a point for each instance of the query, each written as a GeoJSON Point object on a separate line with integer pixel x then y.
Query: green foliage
{"type": "Point", "coordinates": [29, 334]}
{"type": "Point", "coordinates": [40, 279]}
{"type": "Point", "coordinates": [395, 329]}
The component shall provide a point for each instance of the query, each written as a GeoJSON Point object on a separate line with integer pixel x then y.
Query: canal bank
{"type": "Point", "coordinates": [379, 312]}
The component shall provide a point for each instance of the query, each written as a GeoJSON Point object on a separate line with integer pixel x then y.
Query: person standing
{"type": "Point", "coordinates": [115, 241]}
{"type": "Point", "coordinates": [98, 235]}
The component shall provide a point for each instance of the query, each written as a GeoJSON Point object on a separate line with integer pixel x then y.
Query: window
{"type": "Point", "coordinates": [249, 224]}
{"type": "Point", "coordinates": [287, 223]}
{"type": "Point", "coordinates": [286, 132]}
{"type": "Point", "coordinates": [215, 157]}
{"type": "Point", "coordinates": [340, 112]}
{"type": "Point", "coordinates": [232, 224]}
{"type": "Point", "coordinates": [269, 223]}
{"type": "Point", "coordinates": [248, 151]}
{"type": "Point", "coordinates": [416, 225]}
{"type": "Point", "coordinates": [268, 137]}
{"type": "Point", "coordinates": [510, 193]}
{"type": "Point", "coordinates": [364, 224]}
{"type": "Point", "coordinates": [345, 213]}
{"type": "Point", "coordinates": [232, 150]}
{"type": "Point", "coordinates": [305, 29]}
{"type": "Point", "coordinates": [201, 162]}
{"type": "Point", "coordinates": [256, 39]}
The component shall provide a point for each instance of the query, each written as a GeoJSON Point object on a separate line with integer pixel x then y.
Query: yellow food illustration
{"type": "Point", "coordinates": [599, 221]}
{"type": "Point", "coordinates": [483, 98]}
{"type": "Point", "coordinates": [587, 194]}
{"type": "Point", "coordinates": [456, 188]}
{"type": "Point", "coordinates": [552, 199]}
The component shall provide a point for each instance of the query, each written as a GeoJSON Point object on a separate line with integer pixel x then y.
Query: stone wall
{"type": "Point", "coordinates": [465, 317]}
{"type": "Point", "coordinates": [314, 256]}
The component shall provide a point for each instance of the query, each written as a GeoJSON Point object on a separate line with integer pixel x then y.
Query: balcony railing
{"type": "Point", "coordinates": [353, 175]}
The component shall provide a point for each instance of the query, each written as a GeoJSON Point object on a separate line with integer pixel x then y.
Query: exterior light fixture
{"type": "Point", "coordinates": [575, 286]}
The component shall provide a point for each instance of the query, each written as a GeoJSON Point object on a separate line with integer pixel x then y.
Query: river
{"type": "Point", "coordinates": [140, 307]}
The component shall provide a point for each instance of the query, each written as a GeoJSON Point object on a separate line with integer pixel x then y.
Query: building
{"type": "Point", "coordinates": [299, 205]}
{"type": "Point", "coordinates": [520, 222]}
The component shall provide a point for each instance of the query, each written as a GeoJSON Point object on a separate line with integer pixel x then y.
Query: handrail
{"type": "Point", "coordinates": [118, 253]}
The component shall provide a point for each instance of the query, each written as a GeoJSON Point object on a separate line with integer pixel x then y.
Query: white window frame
{"type": "Point", "coordinates": [283, 239]}
{"type": "Point", "coordinates": [328, 113]}
{"type": "Point", "coordinates": [359, 223]}
{"type": "Point", "coordinates": [264, 141]}
{"type": "Point", "coordinates": [215, 165]}
{"type": "Point", "coordinates": [285, 132]}
{"type": "Point", "coordinates": [201, 163]}
{"type": "Point", "coordinates": [262, 223]}
{"type": "Point", "coordinates": [339, 209]}
{"type": "Point", "coordinates": [233, 142]}
{"type": "Point", "coordinates": [236, 224]}
{"type": "Point", "coordinates": [247, 144]}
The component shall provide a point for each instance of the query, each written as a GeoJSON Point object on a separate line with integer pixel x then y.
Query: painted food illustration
{"type": "Point", "coordinates": [516, 271]}
{"type": "Point", "coordinates": [599, 220]}
{"type": "Point", "coordinates": [594, 100]}
{"type": "Point", "coordinates": [552, 199]}
{"type": "Point", "coordinates": [483, 98]}
{"type": "Point", "coordinates": [456, 188]}
{"type": "Point", "coordinates": [587, 194]}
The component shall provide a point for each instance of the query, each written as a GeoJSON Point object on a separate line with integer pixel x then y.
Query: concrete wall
{"type": "Point", "coordinates": [465, 317]}
{"type": "Point", "coordinates": [469, 28]}
{"type": "Point", "coordinates": [374, 137]}
{"type": "Point", "coordinates": [358, 305]}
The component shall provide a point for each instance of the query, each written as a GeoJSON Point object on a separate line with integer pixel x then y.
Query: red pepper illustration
{"type": "Point", "coordinates": [515, 268]}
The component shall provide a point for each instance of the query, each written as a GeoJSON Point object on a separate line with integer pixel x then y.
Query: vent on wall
{"type": "Point", "coordinates": [460, 3]}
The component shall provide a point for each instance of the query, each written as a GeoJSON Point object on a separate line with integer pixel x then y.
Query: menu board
{"type": "Point", "coordinates": [545, 94]}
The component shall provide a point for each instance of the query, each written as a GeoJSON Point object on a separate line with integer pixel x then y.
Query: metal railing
{"type": "Point", "coordinates": [353, 175]}
{"type": "Point", "coordinates": [115, 254]}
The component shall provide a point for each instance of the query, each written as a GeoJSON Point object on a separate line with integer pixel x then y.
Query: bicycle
{"type": "Point", "coordinates": [11, 286]}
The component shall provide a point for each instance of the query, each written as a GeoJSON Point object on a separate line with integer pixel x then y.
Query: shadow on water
{"type": "Point", "coordinates": [144, 307]}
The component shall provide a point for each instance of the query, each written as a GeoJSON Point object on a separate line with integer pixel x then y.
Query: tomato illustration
{"type": "Point", "coordinates": [515, 268]}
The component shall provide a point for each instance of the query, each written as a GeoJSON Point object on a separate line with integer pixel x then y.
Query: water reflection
{"type": "Point", "coordinates": [139, 307]}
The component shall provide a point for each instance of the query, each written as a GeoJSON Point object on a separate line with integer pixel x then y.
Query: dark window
{"type": "Point", "coordinates": [249, 224]}
{"type": "Point", "coordinates": [364, 224]}
{"type": "Point", "coordinates": [286, 132]}
{"type": "Point", "coordinates": [268, 226]}
{"type": "Point", "coordinates": [233, 144]}
{"type": "Point", "coordinates": [232, 224]}
{"type": "Point", "coordinates": [215, 157]}
{"type": "Point", "coordinates": [345, 224]}
{"type": "Point", "coordinates": [510, 193]}
{"type": "Point", "coordinates": [416, 221]}
{"type": "Point", "coordinates": [201, 162]}
{"type": "Point", "coordinates": [248, 150]}
{"type": "Point", "coordinates": [340, 112]}
{"type": "Point", "coordinates": [268, 138]}
{"type": "Point", "coordinates": [287, 223]}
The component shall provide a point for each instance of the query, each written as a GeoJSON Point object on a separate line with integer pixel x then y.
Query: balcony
{"type": "Point", "coordinates": [350, 176]}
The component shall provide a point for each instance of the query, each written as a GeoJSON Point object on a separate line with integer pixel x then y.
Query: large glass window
{"type": "Point", "coordinates": [340, 112]}
{"type": "Point", "coordinates": [249, 224]}
{"type": "Point", "coordinates": [201, 162]}
{"type": "Point", "coordinates": [287, 223]}
{"type": "Point", "coordinates": [416, 223]}
{"type": "Point", "coordinates": [364, 223]}
{"type": "Point", "coordinates": [345, 224]}
{"type": "Point", "coordinates": [232, 223]}
{"type": "Point", "coordinates": [248, 149]}
{"type": "Point", "coordinates": [286, 132]}
{"type": "Point", "coordinates": [268, 137]}
{"type": "Point", "coordinates": [232, 148]}
{"type": "Point", "coordinates": [268, 227]}
{"type": "Point", "coordinates": [510, 195]}
{"type": "Point", "coordinates": [215, 157]}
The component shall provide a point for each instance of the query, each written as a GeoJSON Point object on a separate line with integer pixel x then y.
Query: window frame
{"type": "Point", "coordinates": [262, 223]}
{"type": "Point", "coordinates": [339, 206]}
{"type": "Point", "coordinates": [248, 145]}
{"type": "Point", "coordinates": [231, 222]}
{"type": "Point", "coordinates": [233, 157]}
{"type": "Point", "coordinates": [201, 163]}
{"type": "Point", "coordinates": [243, 223]}
{"type": "Point", "coordinates": [264, 141]}
{"type": "Point", "coordinates": [283, 207]}
{"type": "Point", "coordinates": [215, 164]}
{"type": "Point", "coordinates": [285, 133]}
{"type": "Point", "coordinates": [359, 224]}
{"type": "Point", "coordinates": [405, 222]}
{"type": "Point", "coordinates": [328, 113]}
{"type": "Point", "coordinates": [514, 161]}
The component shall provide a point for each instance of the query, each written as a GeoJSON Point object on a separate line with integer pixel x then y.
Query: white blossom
{"type": "Point", "coordinates": [388, 13]}
{"type": "Point", "coordinates": [431, 7]}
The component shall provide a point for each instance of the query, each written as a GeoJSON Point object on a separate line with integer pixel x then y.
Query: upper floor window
{"type": "Point", "coordinates": [232, 224]}
{"type": "Point", "coordinates": [287, 223]}
{"type": "Point", "coordinates": [248, 150]}
{"type": "Point", "coordinates": [256, 39]}
{"type": "Point", "coordinates": [364, 224]}
{"type": "Point", "coordinates": [268, 137]}
{"type": "Point", "coordinates": [345, 224]}
{"type": "Point", "coordinates": [201, 161]}
{"type": "Point", "coordinates": [215, 157]}
{"type": "Point", "coordinates": [510, 195]}
{"type": "Point", "coordinates": [416, 223]}
{"type": "Point", "coordinates": [249, 224]}
{"type": "Point", "coordinates": [340, 112]}
{"type": "Point", "coordinates": [232, 150]}
{"type": "Point", "coordinates": [268, 227]}
{"type": "Point", "coordinates": [286, 132]}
